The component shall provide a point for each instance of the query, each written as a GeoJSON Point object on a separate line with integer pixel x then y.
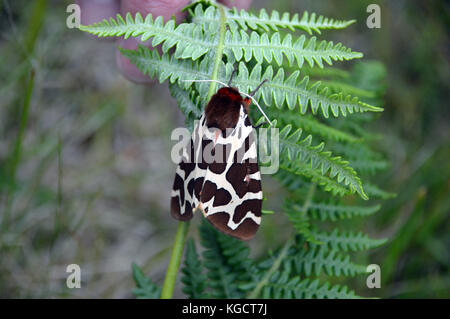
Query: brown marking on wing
{"type": "Point", "coordinates": [245, 231]}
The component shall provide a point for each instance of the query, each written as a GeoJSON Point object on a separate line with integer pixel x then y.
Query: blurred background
{"type": "Point", "coordinates": [84, 170]}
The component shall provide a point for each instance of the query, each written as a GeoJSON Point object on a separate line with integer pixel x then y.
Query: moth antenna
{"type": "Point", "coordinates": [258, 87]}
{"type": "Point", "coordinates": [233, 74]}
{"type": "Point", "coordinates": [252, 93]}
{"type": "Point", "coordinates": [224, 84]}
{"type": "Point", "coordinates": [259, 107]}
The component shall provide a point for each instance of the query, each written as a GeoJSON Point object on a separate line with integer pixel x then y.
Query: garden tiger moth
{"type": "Point", "coordinates": [226, 188]}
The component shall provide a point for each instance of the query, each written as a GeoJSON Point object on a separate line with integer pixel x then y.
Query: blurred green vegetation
{"type": "Point", "coordinates": [84, 176]}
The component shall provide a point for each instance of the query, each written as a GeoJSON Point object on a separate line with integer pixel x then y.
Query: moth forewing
{"type": "Point", "coordinates": [231, 196]}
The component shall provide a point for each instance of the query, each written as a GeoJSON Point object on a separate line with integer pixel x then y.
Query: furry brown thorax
{"type": "Point", "coordinates": [222, 110]}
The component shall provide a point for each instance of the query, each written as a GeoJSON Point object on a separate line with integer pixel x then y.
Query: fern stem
{"type": "Point", "coordinates": [308, 199]}
{"type": "Point", "coordinates": [175, 259]}
{"type": "Point", "coordinates": [255, 292]}
{"type": "Point", "coordinates": [219, 52]}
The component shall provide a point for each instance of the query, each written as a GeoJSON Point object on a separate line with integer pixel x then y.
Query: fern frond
{"type": "Point", "coordinates": [339, 86]}
{"type": "Point", "coordinates": [243, 46]}
{"type": "Point", "coordinates": [361, 157]}
{"type": "Point", "coordinates": [295, 149]}
{"type": "Point", "coordinates": [166, 67]}
{"type": "Point", "coordinates": [305, 289]}
{"type": "Point", "coordinates": [274, 21]}
{"type": "Point", "coordinates": [280, 286]}
{"type": "Point", "coordinates": [188, 102]}
{"type": "Point", "coordinates": [313, 289]}
{"type": "Point", "coordinates": [311, 125]}
{"type": "Point", "coordinates": [193, 278]}
{"type": "Point", "coordinates": [356, 151]}
{"type": "Point", "coordinates": [347, 241]}
{"type": "Point", "coordinates": [226, 260]}
{"type": "Point", "coordinates": [326, 72]}
{"type": "Point", "coordinates": [301, 223]}
{"type": "Point", "coordinates": [291, 181]}
{"type": "Point", "coordinates": [356, 127]}
{"type": "Point", "coordinates": [375, 191]}
{"type": "Point", "coordinates": [308, 123]}
{"type": "Point", "coordinates": [191, 42]}
{"type": "Point", "coordinates": [294, 169]}
{"type": "Point", "coordinates": [368, 166]}
{"type": "Point", "coordinates": [145, 288]}
{"type": "Point", "coordinates": [318, 259]}
{"type": "Point", "coordinates": [188, 38]}
{"type": "Point", "coordinates": [308, 260]}
{"type": "Point", "coordinates": [335, 212]}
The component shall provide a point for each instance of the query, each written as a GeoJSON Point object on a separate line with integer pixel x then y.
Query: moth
{"type": "Point", "coordinates": [218, 173]}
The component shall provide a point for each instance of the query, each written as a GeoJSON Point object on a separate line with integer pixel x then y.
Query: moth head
{"type": "Point", "coordinates": [248, 97]}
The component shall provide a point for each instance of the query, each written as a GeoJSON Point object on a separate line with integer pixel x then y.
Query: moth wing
{"type": "Point", "coordinates": [189, 177]}
{"type": "Point", "coordinates": [231, 196]}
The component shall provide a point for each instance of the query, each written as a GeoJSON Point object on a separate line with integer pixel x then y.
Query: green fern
{"type": "Point", "coordinates": [334, 212]}
{"type": "Point", "coordinates": [347, 241]}
{"type": "Point", "coordinates": [263, 21]}
{"type": "Point", "coordinates": [305, 289]}
{"type": "Point", "coordinates": [145, 288]}
{"type": "Point", "coordinates": [302, 224]}
{"type": "Point", "coordinates": [295, 150]}
{"type": "Point", "coordinates": [375, 192]}
{"type": "Point", "coordinates": [317, 259]}
{"type": "Point", "coordinates": [318, 153]}
{"type": "Point", "coordinates": [190, 41]}
{"type": "Point", "coordinates": [193, 278]}
{"type": "Point", "coordinates": [291, 171]}
{"type": "Point", "coordinates": [315, 127]}
{"type": "Point", "coordinates": [361, 157]}
{"type": "Point", "coordinates": [227, 263]}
